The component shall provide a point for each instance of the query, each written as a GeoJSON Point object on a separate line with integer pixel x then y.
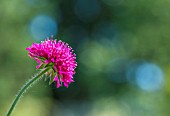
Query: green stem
{"type": "Point", "coordinates": [24, 88]}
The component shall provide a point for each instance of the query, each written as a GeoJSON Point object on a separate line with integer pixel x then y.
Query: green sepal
{"type": "Point", "coordinates": [42, 59]}
{"type": "Point", "coordinates": [47, 76]}
{"type": "Point", "coordinates": [43, 66]}
{"type": "Point", "coordinates": [52, 77]}
{"type": "Point", "coordinates": [51, 64]}
{"type": "Point", "coordinates": [59, 77]}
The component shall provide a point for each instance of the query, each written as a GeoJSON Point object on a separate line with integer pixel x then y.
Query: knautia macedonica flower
{"type": "Point", "coordinates": [57, 55]}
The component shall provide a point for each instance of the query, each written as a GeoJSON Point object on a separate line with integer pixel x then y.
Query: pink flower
{"type": "Point", "coordinates": [57, 55]}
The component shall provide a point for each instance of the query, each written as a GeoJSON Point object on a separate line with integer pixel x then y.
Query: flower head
{"type": "Point", "coordinates": [57, 55]}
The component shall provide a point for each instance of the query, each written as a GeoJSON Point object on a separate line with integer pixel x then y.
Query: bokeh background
{"type": "Point", "coordinates": [122, 49]}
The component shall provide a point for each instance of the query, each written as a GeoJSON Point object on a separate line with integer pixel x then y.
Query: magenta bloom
{"type": "Point", "coordinates": [59, 56]}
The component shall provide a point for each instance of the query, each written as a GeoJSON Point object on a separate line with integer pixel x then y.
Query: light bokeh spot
{"type": "Point", "coordinates": [149, 77]}
{"type": "Point", "coordinates": [43, 26]}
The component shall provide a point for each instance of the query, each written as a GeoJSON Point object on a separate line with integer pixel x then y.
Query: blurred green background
{"type": "Point", "coordinates": [122, 49]}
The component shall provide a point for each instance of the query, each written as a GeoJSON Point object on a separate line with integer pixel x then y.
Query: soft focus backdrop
{"type": "Point", "coordinates": [122, 49]}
